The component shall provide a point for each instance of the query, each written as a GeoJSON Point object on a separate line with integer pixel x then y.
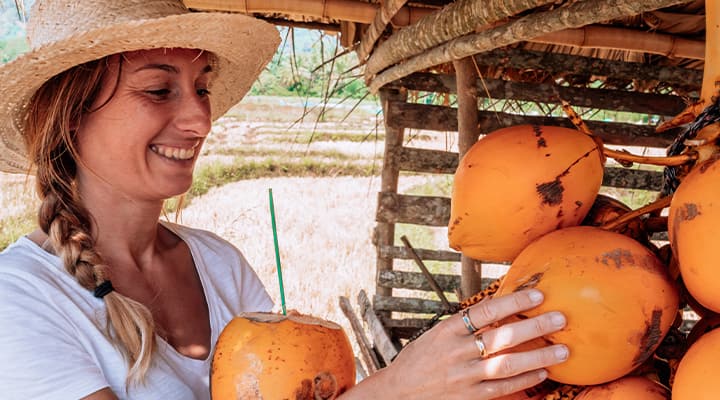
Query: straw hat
{"type": "Point", "coordinates": [66, 33]}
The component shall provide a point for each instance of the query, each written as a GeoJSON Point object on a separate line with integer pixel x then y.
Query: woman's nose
{"type": "Point", "coordinates": [194, 114]}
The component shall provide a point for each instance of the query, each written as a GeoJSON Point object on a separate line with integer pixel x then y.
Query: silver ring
{"type": "Point", "coordinates": [466, 320]}
{"type": "Point", "coordinates": [481, 345]}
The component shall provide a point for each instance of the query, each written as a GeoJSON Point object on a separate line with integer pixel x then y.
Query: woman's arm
{"type": "Point", "coordinates": [446, 362]}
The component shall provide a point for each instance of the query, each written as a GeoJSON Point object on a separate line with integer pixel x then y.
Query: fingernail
{"type": "Point", "coordinates": [557, 319]}
{"type": "Point", "coordinates": [542, 374]}
{"type": "Point", "coordinates": [535, 296]}
{"type": "Point", "coordinates": [561, 352]}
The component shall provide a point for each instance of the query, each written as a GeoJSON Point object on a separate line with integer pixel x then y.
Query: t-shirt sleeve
{"type": "Point", "coordinates": [41, 357]}
{"type": "Point", "coordinates": [254, 296]}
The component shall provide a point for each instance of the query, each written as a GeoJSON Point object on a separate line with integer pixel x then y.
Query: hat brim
{"type": "Point", "coordinates": [243, 46]}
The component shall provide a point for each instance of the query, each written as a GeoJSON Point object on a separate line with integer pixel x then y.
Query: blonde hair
{"type": "Point", "coordinates": [52, 113]}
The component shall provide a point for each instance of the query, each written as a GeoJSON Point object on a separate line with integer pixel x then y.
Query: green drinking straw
{"type": "Point", "coordinates": [277, 253]}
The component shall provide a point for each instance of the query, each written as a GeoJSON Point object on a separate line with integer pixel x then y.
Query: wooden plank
{"type": "Point", "coordinates": [383, 343]}
{"type": "Point", "coordinates": [445, 162]}
{"type": "Point", "coordinates": [441, 118]}
{"type": "Point", "coordinates": [632, 179]}
{"type": "Point", "coordinates": [556, 63]}
{"type": "Point", "coordinates": [416, 281]}
{"type": "Point", "coordinates": [385, 232]}
{"type": "Point", "coordinates": [419, 210]}
{"type": "Point", "coordinates": [408, 304]}
{"type": "Point", "coordinates": [435, 210]}
{"type": "Point", "coordinates": [366, 349]}
{"type": "Point", "coordinates": [425, 254]}
{"type": "Point", "coordinates": [604, 99]}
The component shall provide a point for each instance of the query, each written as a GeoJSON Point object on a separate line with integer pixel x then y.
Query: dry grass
{"type": "Point", "coordinates": [324, 233]}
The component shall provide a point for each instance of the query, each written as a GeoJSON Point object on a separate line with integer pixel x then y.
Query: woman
{"type": "Point", "coordinates": [104, 301]}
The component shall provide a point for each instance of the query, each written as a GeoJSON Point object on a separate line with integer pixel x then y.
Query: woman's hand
{"type": "Point", "coordinates": [450, 362]}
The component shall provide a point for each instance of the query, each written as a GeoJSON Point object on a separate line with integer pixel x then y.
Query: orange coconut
{"type": "Point", "coordinates": [615, 293]}
{"type": "Point", "coordinates": [698, 372]}
{"type": "Point", "coordinates": [695, 232]}
{"type": "Point", "coordinates": [271, 356]}
{"type": "Point", "coordinates": [627, 388]}
{"type": "Point", "coordinates": [519, 183]}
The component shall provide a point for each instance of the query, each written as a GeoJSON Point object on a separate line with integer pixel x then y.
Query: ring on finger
{"type": "Point", "coordinates": [481, 345]}
{"type": "Point", "coordinates": [465, 314]}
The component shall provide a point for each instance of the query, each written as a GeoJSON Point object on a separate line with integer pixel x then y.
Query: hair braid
{"type": "Point", "coordinates": [55, 108]}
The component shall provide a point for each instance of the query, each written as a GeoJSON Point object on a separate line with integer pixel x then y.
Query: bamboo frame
{"type": "Point", "coordinates": [601, 37]}
{"type": "Point", "coordinates": [344, 10]}
{"type": "Point", "coordinates": [534, 25]}
{"type": "Point", "coordinates": [457, 19]}
{"type": "Point", "coordinates": [387, 11]}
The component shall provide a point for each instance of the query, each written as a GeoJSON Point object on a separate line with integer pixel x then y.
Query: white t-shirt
{"type": "Point", "coordinates": [52, 344]}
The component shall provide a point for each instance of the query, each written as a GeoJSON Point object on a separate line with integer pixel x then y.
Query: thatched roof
{"type": "Point", "coordinates": [666, 36]}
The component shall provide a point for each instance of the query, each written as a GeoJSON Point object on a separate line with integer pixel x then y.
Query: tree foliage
{"type": "Point", "coordinates": [310, 63]}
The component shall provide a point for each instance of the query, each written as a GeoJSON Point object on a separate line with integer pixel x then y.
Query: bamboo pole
{"type": "Point", "coordinates": [526, 28]}
{"type": "Point", "coordinates": [457, 19]}
{"type": "Point", "coordinates": [468, 133]}
{"type": "Point", "coordinates": [601, 37]}
{"type": "Point", "coordinates": [387, 11]}
{"type": "Point", "coordinates": [344, 10]}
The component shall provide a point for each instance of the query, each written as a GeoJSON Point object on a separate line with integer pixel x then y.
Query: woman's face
{"type": "Point", "coordinates": [144, 140]}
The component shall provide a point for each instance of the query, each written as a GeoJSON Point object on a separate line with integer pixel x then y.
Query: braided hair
{"type": "Point", "coordinates": [55, 109]}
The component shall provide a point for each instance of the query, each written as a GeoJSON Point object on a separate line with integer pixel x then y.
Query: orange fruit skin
{"type": "Point", "coordinates": [698, 372]}
{"type": "Point", "coordinates": [270, 356]}
{"type": "Point", "coordinates": [627, 388]}
{"type": "Point", "coordinates": [694, 231]}
{"type": "Point", "coordinates": [615, 293]}
{"type": "Point", "coordinates": [519, 183]}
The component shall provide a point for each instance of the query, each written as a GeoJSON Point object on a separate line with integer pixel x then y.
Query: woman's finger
{"type": "Point", "coordinates": [496, 388]}
{"type": "Point", "coordinates": [495, 309]}
{"type": "Point", "coordinates": [510, 335]}
{"type": "Point", "coordinates": [512, 364]}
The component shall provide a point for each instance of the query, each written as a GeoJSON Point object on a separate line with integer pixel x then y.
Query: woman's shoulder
{"type": "Point", "coordinates": [24, 258]}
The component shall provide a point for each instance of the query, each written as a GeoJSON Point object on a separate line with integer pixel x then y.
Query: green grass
{"type": "Point", "coordinates": [11, 228]}
{"type": "Point", "coordinates": [258, 153]}
{"type": "Point", "coordinates": [309, 136]}
{"type": "Point", "coordinates": [219, 174]}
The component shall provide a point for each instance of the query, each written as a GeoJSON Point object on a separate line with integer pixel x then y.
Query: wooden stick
{"type": "Point", "coordinates": [428, 275]}
{"type": "Point", "coordinates": [602, 37]}
{"type": "Point", "coordinates": [369, 357]}
{"type": "Point", "coordinates": [383, 343]}
{"type": "Point", "coordinates": [656, 205]}
{"type": "Point", "coordinates": [458, 18]}
{"type": "Point", "coordinates": [387, 10]}
{"type": "Point", "coordinates": [343, 10]}
{"type": "Point", "coordinates": [466, 75]}
{"type": "Point", "coordinates": [573, 16]}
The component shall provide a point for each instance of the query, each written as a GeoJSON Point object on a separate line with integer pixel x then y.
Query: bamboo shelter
{"type": "Point", "coordinates": [504, 63]}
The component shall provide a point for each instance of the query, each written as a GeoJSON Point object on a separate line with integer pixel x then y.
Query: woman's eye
{"type": "Point", "coordinates": [203, 92]}
{"type": "Point", "coordinates": [158, 92]}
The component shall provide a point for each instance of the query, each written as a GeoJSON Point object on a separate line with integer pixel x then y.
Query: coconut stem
{"type": "Point", "coordinates": [656, 205]}
{"type": "Point", "coordinates": [670, 161]}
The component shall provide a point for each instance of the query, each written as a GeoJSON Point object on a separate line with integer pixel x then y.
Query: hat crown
{"type": "Point", "coordinates": [52, 20]}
